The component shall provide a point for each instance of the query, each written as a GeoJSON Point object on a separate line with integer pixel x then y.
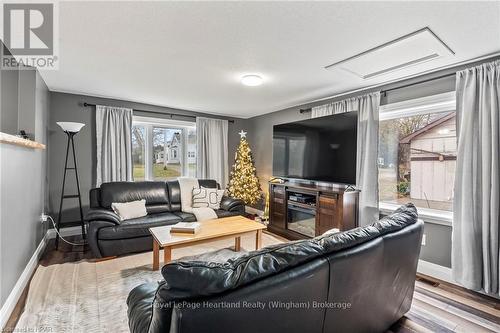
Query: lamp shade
{"type": "Point", "coordinates": [70, 126]}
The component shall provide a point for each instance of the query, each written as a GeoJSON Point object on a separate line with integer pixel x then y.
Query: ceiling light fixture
{"type": "Point", "coordinates": [251, 80]}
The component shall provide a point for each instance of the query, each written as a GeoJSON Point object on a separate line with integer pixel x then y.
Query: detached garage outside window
{"type": "Point", "coordinates": [417, 152]}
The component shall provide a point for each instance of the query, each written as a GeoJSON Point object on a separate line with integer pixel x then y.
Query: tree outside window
{"type": "Point", "coordinates": [417, 157]}
{"type": "Point", "coordinates": [161, 152]}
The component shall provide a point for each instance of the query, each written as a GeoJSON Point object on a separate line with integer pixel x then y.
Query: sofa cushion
{"type": "Point", "coordinates": [157, 208]}
{"type": "Point", "coordinates": [402, 217]}
{"type": "Point", "coordinates": [155, 193]}
{"type": "Point", "coordinates": [138, 227]}
{"type": "Point", "coordinates": [200, 278]}
{"type": "Point", "coordinates": [186, 279]}
{"type": "Point", "coordinates": [208, 183]}
{"type": "Point", "coordinates": [186, 217]}
{"type": "Point", "coordinates": [224, 213]}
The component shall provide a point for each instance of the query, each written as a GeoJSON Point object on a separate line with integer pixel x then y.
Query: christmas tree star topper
{"type": "Point", "coordinates": [243, 134]}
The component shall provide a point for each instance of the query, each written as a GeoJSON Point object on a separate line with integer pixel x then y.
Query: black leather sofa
{"type": "Point", "coordinates": [108, 236]}
{"type": "Point", "coordinates": [360, 280]}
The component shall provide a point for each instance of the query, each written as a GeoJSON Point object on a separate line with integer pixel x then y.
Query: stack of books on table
{"type": "Point", "coordinates": [185, 227]}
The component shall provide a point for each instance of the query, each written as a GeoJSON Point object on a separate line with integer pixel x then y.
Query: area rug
{"type": "Point", "coordinates": [91, 296]}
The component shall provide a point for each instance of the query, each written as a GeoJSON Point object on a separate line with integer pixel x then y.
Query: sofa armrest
{"type": "Point", "coordinates": [147, 311]}
{"type": "Point", "coordinates": [140, 309]}
{"type": "Point", "coordinates": [232, 204]}
{"type": "Point", "coordinates": [93, 228]}
{"type": "Point", "coordinates": [101, 214]}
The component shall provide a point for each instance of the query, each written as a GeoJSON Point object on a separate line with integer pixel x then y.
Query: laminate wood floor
{"type": "Point", "coordinates": [437, 306]}
{"type": "Point", "coordinates": [442, 307]}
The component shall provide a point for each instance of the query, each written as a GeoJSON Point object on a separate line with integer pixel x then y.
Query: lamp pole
{"type": "Point", "coordinates": [71, 129]}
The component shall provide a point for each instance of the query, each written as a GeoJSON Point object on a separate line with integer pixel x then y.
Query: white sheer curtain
{"type": "Point", "coordinates": [114, 144]}
{"type": "Point", "coordinates": [475, 241]}
{"type": "Point", "coordinates": [212, 160]}
{"type": "Point", "coordinates": [367, 152]}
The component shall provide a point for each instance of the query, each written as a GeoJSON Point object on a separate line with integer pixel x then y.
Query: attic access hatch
{"type": "Point", "coordinates": [415, 48]}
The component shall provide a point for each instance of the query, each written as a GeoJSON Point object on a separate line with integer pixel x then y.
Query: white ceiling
{"type": "Point", "coordinates": [190, 55]}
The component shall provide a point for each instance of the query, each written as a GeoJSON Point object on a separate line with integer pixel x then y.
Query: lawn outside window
{"type": "Point", "coordinates": [163, 149]}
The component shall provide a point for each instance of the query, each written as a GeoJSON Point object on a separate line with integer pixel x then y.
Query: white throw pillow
{"type": "Point", "coordinates": [207, 197]}
{"type": "Point", "coordinates": [130, 210]}
{"type": "Point", "coordinates": [331, 232]}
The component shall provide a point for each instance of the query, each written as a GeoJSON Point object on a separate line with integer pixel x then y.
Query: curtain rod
{"type": "Point", "coordinates": [383, 92]}
{"type": "Point", "coordinates": [85, 104]}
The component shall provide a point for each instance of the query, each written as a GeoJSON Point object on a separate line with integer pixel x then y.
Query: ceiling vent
{"type": "Point", "coordinates": [413, 49]}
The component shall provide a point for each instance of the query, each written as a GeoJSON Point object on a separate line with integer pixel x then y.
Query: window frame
{"type": "Point", "coordinates": [439, 103]}
{"type": "Point", "coordinates": [149, 123]}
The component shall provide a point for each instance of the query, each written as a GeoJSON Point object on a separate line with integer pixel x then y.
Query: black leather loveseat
{"type": "Point", "coordinates": [361, 280]}
{"type": "Point", "coordinates": [108, 236]}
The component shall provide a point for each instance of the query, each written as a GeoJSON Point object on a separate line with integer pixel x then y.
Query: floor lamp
{"type": "Point", "coordinates": [71, 129]}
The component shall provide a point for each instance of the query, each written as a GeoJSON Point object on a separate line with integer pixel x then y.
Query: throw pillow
{"type": "Point", "coordinates": [207, 197]}
{"type": "Point", "coordinates": [130, 210]}
{"type": "Point", "coordinates": [331, 232]}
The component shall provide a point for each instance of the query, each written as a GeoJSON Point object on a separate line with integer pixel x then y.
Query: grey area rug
{"type": "Point", "coordinates": [91, 296]}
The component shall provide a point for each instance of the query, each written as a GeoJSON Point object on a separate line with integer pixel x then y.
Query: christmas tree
{"type": "Point", "coordinates": [243, 181]}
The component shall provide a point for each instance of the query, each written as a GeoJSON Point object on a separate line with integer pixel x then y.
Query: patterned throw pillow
{"type": "Point", "coordinates": [207, 197]}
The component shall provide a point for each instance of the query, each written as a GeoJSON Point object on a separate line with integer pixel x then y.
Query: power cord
{"type": "Point", "coordinates": [44, 219]}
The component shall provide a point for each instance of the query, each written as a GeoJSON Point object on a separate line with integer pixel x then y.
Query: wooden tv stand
{"type": "Point", "coordinates": [327, 208]}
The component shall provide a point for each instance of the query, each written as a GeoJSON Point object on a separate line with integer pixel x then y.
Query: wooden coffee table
{"type": "Point", "coordinates": [227, 227]}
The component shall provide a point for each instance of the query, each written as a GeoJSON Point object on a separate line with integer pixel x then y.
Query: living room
{"type": "Point", "coordinates": [174, 166]}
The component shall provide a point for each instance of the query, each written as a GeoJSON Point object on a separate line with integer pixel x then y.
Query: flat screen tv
{"type": "Point", "coordinates": [319, 149]}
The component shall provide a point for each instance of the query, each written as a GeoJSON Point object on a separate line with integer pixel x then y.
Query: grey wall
{"type": "Point", "coordinates": [9, 81]}
{"type": "Point", "coordinates": [17, 103]}
{"type": "Point", "coordinates": [68, 107]}
{"type": "Point", "coordinates": [23, 197]}
{"type": "Point", "coordinates": [437, 248]}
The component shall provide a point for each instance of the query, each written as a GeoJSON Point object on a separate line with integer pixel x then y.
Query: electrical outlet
{"type": "Point", "coordinates": [423, 240]}
{"type": "Point", "coordinates": [43, 218]}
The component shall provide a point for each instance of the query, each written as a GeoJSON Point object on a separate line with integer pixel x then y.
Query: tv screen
{"type": "Point", "coordinates": [318, 149]}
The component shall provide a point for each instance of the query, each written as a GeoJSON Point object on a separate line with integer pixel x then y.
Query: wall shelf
{"type": "Point", "coordinates": [17, 141]}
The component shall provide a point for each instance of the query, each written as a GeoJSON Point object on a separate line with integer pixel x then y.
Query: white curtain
{"type": "Point", "coordinates": [114, 144]}
{"type": "Point", "coordinates": [346, 105]}
{"type": "Point", "coordinates": [367, 152]}
{"type": "Point", "coordinates": [212, 157]}
{"type": "Point", "coordinates": [475, 246]}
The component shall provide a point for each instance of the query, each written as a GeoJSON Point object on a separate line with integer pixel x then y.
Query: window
{"type": "Point", "coordinates": [160, 149]}
{"type": "Point", "coordinates": [417, 153]}
{"type": "Point", "coordinates": [138, 151]}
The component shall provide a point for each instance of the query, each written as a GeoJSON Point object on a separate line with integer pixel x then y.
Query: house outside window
{"type": "Point", "coordinates": [417, 153]}
{"type": "Point", "coordinates": [160, 149]}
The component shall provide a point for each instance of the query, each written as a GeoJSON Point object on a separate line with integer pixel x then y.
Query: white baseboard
{"type": "Point", "coordinates": [65, 232]}
{"type": "Point", "coordinates": [435, 271]}
{"type": "Point", "coordinates": [22, 282]}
